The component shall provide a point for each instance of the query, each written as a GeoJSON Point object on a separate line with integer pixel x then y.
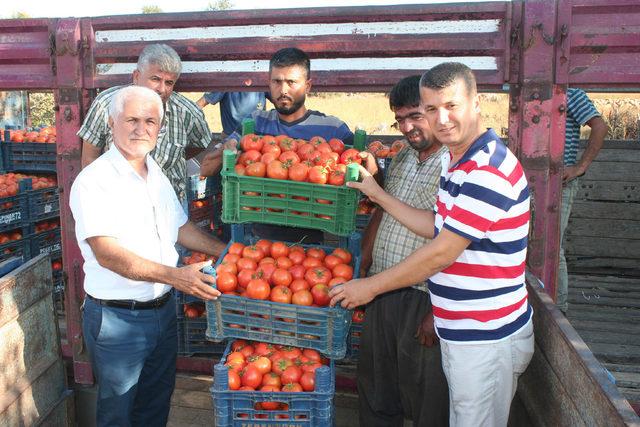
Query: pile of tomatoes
{"type": "Point", "coordinates": [194, 310]}
{"type": "Point", "coordinates": [51, 224]}
{"type": "Point", "coordinates": [10, 236]}
{"type": "Point", "coordinates": [196, 257]}
{"type": "Point", "coordinates": [282, 157]}
{"type": "Point", "coordinates": [9, 183]}
{"type": "Point", "coordinates": [272, 368]}
{"type": "Point", "coordinates": [44, 135]}
{"type": "Point", "coordinates": [279, 272]}
{"type": "Point", "coordinates": [381, 151]}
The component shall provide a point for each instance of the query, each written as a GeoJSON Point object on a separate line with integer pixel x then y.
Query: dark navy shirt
{"type": "Point", "coordinates": [235, 106]}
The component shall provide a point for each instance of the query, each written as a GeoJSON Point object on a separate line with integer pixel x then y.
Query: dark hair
{"type": "Point", "coordinates": [406, 93]}
{"type": "Point", "coordinates": [290, 56]}
{"type": "Point", "coordinates": [445, 74]}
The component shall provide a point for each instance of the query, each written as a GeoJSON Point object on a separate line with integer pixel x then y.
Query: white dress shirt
{"type": "Point", "coordinates": [108, 198]}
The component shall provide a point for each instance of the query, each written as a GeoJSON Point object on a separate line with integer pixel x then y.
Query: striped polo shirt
{"type": "Point", "coordinates": [183, 126]}
{"type": "Point", "coordinates": [313, 123]}
{"type": "Point", "coordinates": [580, 110]}
{"type": "Point", "coordinates": [484, 197]}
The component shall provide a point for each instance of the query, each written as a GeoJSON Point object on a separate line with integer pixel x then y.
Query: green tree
{"type": "Point", "coordinates": [220, 5]}
{"type": "Point", "coordinates": [151, 9]}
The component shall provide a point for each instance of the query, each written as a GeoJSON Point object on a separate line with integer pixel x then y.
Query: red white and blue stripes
{"type": "Point", "coordinates": [484, 198]}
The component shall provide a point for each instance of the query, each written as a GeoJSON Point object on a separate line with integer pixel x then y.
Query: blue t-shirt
{"type": "Point", "coordinates": [580, 110]}
{"type": "Point", "coordinates": [313, 123]}
{"type": "Point", "coordinates": [236, 106]}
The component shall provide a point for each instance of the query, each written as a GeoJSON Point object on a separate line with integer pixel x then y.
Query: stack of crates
{"type": "Point", "coordinates": [248, 200]}
{"type": "Point", "coordinates": [30, 220]}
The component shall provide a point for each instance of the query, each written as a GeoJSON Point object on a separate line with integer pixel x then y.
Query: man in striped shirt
{"type": "Point", "coordinates": [580, 112]}
{"type": "Point", "coordinates": [399, 368]}
{"type": "Point", "coordinates": [184, 125]}
{"type": "Point", "coordinates": [476, 260]}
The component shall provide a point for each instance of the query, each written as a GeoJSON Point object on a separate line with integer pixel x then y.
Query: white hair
{"type": "Point", "coordinates": [161, 55]}
{"type": "Point", "coordinates": [122, 96]}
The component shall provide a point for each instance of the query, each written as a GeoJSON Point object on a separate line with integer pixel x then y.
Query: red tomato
{"type": "Point", "coordinates": [336, 281]}
{"type": "Point", "coordinates": [292, 388]}
{"type": "Point", "coordinates": [343, 270]}
{"type": "Point", "coordinates": [226, 282]}
{"type": "Point", "coordinates": [289, 158]}
{"type": "Point", "coordinates": [284, 262]}
{"type": "Point", "coordinates": [297, 271]}
{"type": "Point", "coordinates": [280, 294]}
{"type": "Point", "coordinates": [318, 275]}
{"type": "Point", "coordinates": [247, 351]}
{"type": "Point", "coordinates": [299, 285]}
{"type": "Point", "coordinates": [236, 248]}
{"type": "Point", "coordinates": [311, 354]}
{"type": "Point", "coordinates": [316, 253]}
{"type": "Point", "coordinates": [308, 381]}
{"type": "Point", "coordinates": [234, 380]}
{"type": "Point", "coordinates": [330, 261]}
{"type": "Point", "coordinates": [342, 253]}
{"type": "Point", "coordinates": [231, 258]}
{"type": "Point", "coordinates": [269, 405]}
{"type": "Point", "coordinates": [276, 170]}
{"type": "Point", "coordinates": [336, 145]}
{"type": "Point", "coordinates": [279, 249]}
{"type": "Point", "coordinates": [251, 377]}
{"type": "Point", "coordinates": [251, 142]}
{"type": "Point", "coordinates": [296, 256]}
{"type": "Point", "coordinates": [253, 253]}
{"type": "Point", "coordinates": [245, 276]}
{"type": "Point", "coordinates": [302, 297]}
{"type": "Point", "coordinates": [328, 160]}
{"type": "Point", "coordinates": [279, 365]}
{"type": "Point", "coordinates": [266, 260]}
{"type": "Point", "coordinates": [271, 378]}
{"type": "Point", "coordinates": [248, 157]}
{"type": "Point", "coordinates": [311, 262]}
{"type": "Point", "coordinates": [305, 151]}
{"type": "Point", "coordinates": [320, 294]}
{"type": "Point", "coordinates": [237, 345]}
{"type": "Point", "coordinates": [258, 289]}
{"type": "Point", "coordinates": [350, 156]}
{"type": "Point", "coordinates": [265, 271]}
{"type": "Point", "coordinates": [271, 148]}
{"type": "Point", "coordinates": [291, 375]}
{"type": "Point", "coordinates": [287, 143]}
{"type": "Point", "coordinates": [336, 177]}
{"type": "Point", "coordinates": [257, 169]}
{"type": "Point", "coordinates": [262, 364]}
{"type": "Point", "coordinates": [357, 316]}
{"type": "Point", "coordinates": [240, 170]}
{"type": "Point", "coordinates": [268, 158]}
{"type": "Point", "coordinates": [265, 245]}
{"type": "Point", "coordinates": [281, 277]}
{"type": "Point", "coordinates": [298, 172]}
{"type": "Point", "coordinates": [227, 267]}
{"type": "Point", "coordinates": [249, 264]}
{"type": "Point", "coordinates": [264, 349]}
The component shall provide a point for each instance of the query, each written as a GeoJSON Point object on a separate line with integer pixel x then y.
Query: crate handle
{"type": "Point", "coordinates": [352, 172]}
{"type": "Point", "coordinates": [359, 139]}
{"type": "Point", "coordinates": [248, 126]}
{"type": "Point", "coordinates": [228, 161]}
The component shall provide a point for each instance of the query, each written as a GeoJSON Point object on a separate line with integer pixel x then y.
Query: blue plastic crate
{"type": "Point", "coordinates": [320, 328]}
{"type": "Point", "coordinates": [192, 339]}
{"type": "Point", "coordinates": [355, 331]}
{"type": "Point", "coordinates": [10, 264]}
{"type": "Point", "coordinates": [14, 212]}
{"type": "Point", "coordinates": [362, 221]}
{"type": "Point", "coordinates": [46, 242]}
{"type": "Point", "coordinates": [305, 409]}
{"type": "Point", "coordinates": [28, 157]}
{"type": "Point", "coordinates": [17, 248]}
{"type": "Point", "coordinates": [43, 204]}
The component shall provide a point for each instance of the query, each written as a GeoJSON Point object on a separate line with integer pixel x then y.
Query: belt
{"type": "Point", "coordinates": [130, 304]}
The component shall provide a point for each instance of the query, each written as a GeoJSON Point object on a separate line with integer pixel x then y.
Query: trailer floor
{"type": "Point", "coordinates": [605, 310]}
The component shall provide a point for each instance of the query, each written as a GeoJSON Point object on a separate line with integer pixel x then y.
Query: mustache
{"type": "Point", "coordinates": [285, 97]}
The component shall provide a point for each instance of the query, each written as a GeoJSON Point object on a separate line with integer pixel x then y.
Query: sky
{"type": "Point", "coordinates": [66, 8]}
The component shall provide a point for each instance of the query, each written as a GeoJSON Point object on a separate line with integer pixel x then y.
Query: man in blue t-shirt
{"type": "Point", "coordinates": [234, 107]}
{"type": "Point", "coordinates": [289, 85]}
{"type": "Point", "coordinates": [580, 112]}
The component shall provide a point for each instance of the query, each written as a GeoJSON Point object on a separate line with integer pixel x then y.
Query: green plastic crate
{"type": "Point", "coordinates": [273, 201]}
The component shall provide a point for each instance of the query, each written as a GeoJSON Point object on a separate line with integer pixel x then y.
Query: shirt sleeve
{"type": "Point", "coordinates": [483, 199]}
{"type": "Point", "coordinates": [198, 132]}
{"type": "Point", "coordinates": [92, 211]}
{"type": "Point", "coordinates": [95, 129]}
{"type": "Point", "coordinates": [213, 97]}
{"type": "Point", "coordinates": [580, 107]}
{"type": "Point", "coordinates": [345, 134]}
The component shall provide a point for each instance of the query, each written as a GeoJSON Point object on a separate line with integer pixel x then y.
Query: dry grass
{"type": "Point", "coordinates": [370, 111]}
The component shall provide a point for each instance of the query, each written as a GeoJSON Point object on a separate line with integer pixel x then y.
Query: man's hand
{"type": "Point", "coordinates": [369, 162]}
{"type": "Point", "coordinates": [352, 294]}
{"type": "Point", "coordinates": [368, 185]}
{"type": "Point", "coordinates": [190, 280]}
{"type": "Point", "coordinates": [426, 333]}
{"type": "Point", "coordinates": [571, 172]}
{"type": "Point", "coordinates": [230, 144]}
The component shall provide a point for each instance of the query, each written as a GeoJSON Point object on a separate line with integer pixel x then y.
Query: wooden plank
{"type": "Point", "coordinates": [604, 227]}
{"type": "Point", "coordinates": [627, 379]}
{"type": "Point", "coordinates": [599, 292]}
{"type": "Point", "coordinates": [631, 394]}
{"type": "Point", "coordinates": [601, 265]}
{"type": "Point", "coordinates": [614, 171]}
{"type": "Point", "coordinates": [602, 314]}
{"type": "Point", "coordinates": [622, 368]}
{"type": "Point", "coordinates": [592, 189]}
{"type": "Point", "coordinates": [586, 298]}
{"type": "Point", "coordinates": [608, 337]}
{"type": "Point", "coordinates": [596, 247]}
{"type": "Point", "coordinates": [605, 326]}
{"type": "Point", "coordinates": [617, 353]}
{"type": "Point", "coordinates": [612, 210]}
{"type": "Point", "coordinates": [606, 282]}
{"type": "Point", "coordinates": [617, 155]}
{"type": "Point", "coordinates": [561, 352]}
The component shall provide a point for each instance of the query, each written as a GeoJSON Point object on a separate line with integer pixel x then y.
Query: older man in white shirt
{"type": "Point", "coordinates": [128, 220]}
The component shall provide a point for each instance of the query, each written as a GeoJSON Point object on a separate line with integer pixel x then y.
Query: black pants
{"type": "Point", "coordinates": [397, 377]}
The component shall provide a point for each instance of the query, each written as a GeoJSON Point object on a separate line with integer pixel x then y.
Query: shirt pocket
{"type": "Point", "coordinates": [166, 220]}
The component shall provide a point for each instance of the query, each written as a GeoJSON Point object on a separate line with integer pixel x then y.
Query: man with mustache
{"type": "Point", "coordinates": [289, 85]}
{"type": "Point", "coordinates": [399, 368]}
